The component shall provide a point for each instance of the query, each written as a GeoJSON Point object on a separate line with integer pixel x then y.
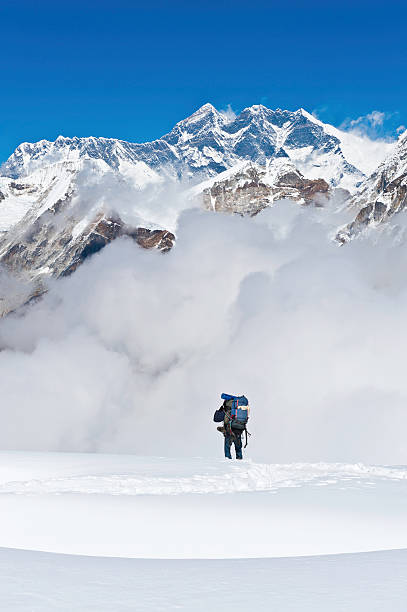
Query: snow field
{"type": "Point", "coordinates": [42, 582]}
{"type": "Point", "coordinates": [118, 505]}
{"type": "Point", "coordinates": [185, 530]}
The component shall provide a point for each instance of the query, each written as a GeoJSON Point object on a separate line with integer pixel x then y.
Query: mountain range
{"type": "Point", "coordinates": [59, 201]}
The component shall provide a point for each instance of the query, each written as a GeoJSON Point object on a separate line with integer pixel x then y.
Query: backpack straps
{"type": "Point", "coordinates": [247, 434]}
{"type": "Point", "coordinates": [228, 423]}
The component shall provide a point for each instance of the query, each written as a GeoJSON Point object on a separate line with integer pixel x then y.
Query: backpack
{"type": "Point", "coordinates": [239, 410]}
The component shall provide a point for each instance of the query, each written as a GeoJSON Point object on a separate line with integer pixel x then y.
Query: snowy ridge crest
{"type": "Point", "coordinates": [209, 142]}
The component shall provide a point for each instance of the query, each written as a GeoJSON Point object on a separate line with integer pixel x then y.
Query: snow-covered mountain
{"type": "Point", "coordinates": [48, 229]}
{"type": "Point", "coordinates": [202, 146]}
{"type": "Point", "coordinates": [209, 142]}
{"type": "Point", "coordinates": [61, 201]}
{"type": "Point", "coordinates": [382, 195]}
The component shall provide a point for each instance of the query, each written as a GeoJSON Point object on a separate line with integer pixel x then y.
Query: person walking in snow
{"type": "Point", "coordinates": [234, 423]}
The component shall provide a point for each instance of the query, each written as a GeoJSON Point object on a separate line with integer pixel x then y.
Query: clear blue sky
{"type": "Point", "coordinates": [131, 70]}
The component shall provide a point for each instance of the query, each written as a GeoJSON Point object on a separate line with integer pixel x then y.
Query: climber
{"type": "Point", "coordinates": [234, 413]}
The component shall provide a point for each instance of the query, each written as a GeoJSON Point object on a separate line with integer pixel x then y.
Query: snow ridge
{"type": "Point", "coordinates": [208, 142]}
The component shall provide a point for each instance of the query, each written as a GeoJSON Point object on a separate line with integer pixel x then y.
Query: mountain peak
{"type": "Point", "coordinates": [403, 138]}
{"type": "Point", "coordinates": [255, 110]}
{"type": "Point", "coordinates": [205, 108]}
{"type": "Point", "coordinates": [306, 114]}
{"type": "Point", "coordinates": [202, 111]}
{"type": "Point", "coordinates": [204, 115]}
{"type": "Point", "coordinates": [258, 108]}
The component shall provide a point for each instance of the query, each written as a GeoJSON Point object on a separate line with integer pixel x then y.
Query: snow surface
{"type": "Point", "coordinates": [40, 582]}
{"type": "Point", "coordinates": [199, 533]}
{"type": "Point", "coordinates": [359, 150]}
{"type": "Point", "coordinates": [120, 505]}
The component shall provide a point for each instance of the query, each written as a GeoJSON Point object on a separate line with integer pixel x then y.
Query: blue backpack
{"type": "Point", "coordinates": [239, 409]}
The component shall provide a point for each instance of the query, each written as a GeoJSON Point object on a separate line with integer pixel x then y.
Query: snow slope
{"type": "Point", "coordinates": [358, 149]}
{"type": "Point", "coordinates": [41, 582]}
{"type": "Point", "coordinates": [382, 195]}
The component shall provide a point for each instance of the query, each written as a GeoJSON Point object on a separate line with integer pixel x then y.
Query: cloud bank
{"type": "Point", "coordinates": [131, 353]}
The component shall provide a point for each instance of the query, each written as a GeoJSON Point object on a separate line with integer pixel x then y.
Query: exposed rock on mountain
{"type": "Point", "coordinates": [50, 248]}
{"type": "Point", "coordinates": [253, 187]}
{"type": "Point", "coordinates": [53, 248]}
{"type": "Point", "coordinates": [104, 231]}
{"type": "Point", "coordinates": [381, 196]}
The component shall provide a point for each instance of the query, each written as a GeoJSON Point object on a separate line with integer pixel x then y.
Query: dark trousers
{"type": "Point", "coordinates": [236, 438]}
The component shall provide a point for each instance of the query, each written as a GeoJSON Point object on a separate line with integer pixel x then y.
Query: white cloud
{"type": "Point", "coordinates": [228, 113]}
{"type": "Point", "coordinates": [375, 118]}
{"type": "Point", "coordinates": [376, 125]}
{"type": "Point", "coordinates": [131, 353]}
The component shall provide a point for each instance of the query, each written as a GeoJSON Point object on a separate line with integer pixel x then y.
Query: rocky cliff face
{"type": "Point", "coordinates": [51, 249]}
{"type": "Point", "coordinates": [253, 187]}
{"type": "Point", "coordinates": [381, 196]}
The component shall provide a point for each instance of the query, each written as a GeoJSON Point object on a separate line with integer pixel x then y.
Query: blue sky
{"type": "Point", "coordinates": [131, 70]}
